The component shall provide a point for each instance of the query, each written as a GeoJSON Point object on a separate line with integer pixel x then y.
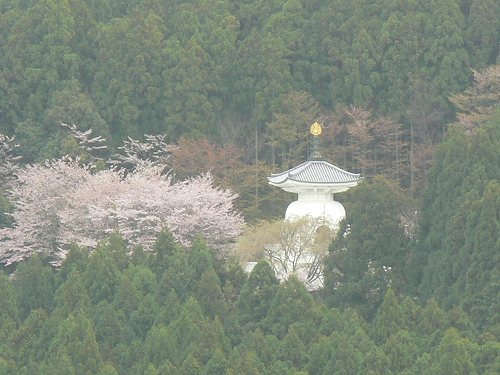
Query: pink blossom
{"type": "Point", "coordinates": [62, 202]}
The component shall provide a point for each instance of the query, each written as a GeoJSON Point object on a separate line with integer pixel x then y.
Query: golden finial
{"type": "Point", "coordinates": [316, 129]}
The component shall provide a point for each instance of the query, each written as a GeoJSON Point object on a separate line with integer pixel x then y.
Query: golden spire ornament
{"type": "Point", "coordinates": [316, 129]}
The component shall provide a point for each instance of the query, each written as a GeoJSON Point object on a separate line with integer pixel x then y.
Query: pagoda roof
{"type": "Point", "coordinates": [314, 172]}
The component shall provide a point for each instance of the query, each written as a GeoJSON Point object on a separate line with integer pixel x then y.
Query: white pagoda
{"type": "Point", "coordinates": [315, 181]}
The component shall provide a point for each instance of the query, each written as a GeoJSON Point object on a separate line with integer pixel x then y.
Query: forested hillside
{"type": "Point", "coordinates": [224, 69]}
{"type": "Point", "coordinates": [113, 112]}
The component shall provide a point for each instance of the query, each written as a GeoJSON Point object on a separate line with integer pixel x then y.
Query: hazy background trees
{"type": "Point", "coordinates": [190, 68]}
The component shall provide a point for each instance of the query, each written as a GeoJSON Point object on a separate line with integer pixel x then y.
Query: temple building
{"type": "Point", "coordinates": [315, 181]}
{"type": "Point", "coordinates": [301, 250]}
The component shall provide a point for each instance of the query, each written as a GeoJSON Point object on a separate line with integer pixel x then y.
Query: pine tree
{"type": "Point", "coordinates": [209, 294]}
{"type": "Point", "coordinates": [257, 294]}
{"type": "Point", "coordinates": [454, 355]}
{"type": "Point", "coordinates": [369, 254]}
{"type": "Point", "coordinates": [459, 221]}
{"type": "Point", "coordinates": [34, 285]}
{"type": "Point", "coordinates": [388, 319]}
{"type": "Point", "coordinates": [76, 340]}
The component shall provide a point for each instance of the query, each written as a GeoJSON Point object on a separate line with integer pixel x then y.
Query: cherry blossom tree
{"type": "Point", "coordinates": [39, 193]}
{"type": "Point", "coordinates": [92, 146]}
{"type": "Point", "coordinates": [136, 154]}
{"type": "Point", "coordinates": [62, 202]}
{"type": "Point", "coordinates": [141, 204]}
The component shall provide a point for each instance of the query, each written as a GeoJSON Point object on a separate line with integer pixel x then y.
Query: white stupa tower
{"type": "Point", "coordinates": [315, 181]}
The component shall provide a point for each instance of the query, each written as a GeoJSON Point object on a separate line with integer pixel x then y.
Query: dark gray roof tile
{"type": "Point", "coordinates": [315, 171]}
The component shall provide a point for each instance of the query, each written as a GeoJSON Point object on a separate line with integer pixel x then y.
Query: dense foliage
{"type": "Point", "coordinates": [234, 70]}
{"type": "Point", "coordinates": [460, 225]}
{"type": "Point", "coordinates": [446, 248]}
{"type": "Point", "coordinates": [182, 312]}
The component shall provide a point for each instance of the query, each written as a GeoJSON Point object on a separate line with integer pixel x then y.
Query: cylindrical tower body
{"type": "Point", "coordinates": [317, 206]}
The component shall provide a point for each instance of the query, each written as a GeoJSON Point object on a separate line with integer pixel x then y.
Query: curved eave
{"type": "Point", "coordinates": [314, 172]}
{"type": "Point", "coordinates": [316, 187]}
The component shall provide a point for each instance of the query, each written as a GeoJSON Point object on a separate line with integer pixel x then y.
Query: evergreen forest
{"type": "Point", "coordinates": [114, 114]}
